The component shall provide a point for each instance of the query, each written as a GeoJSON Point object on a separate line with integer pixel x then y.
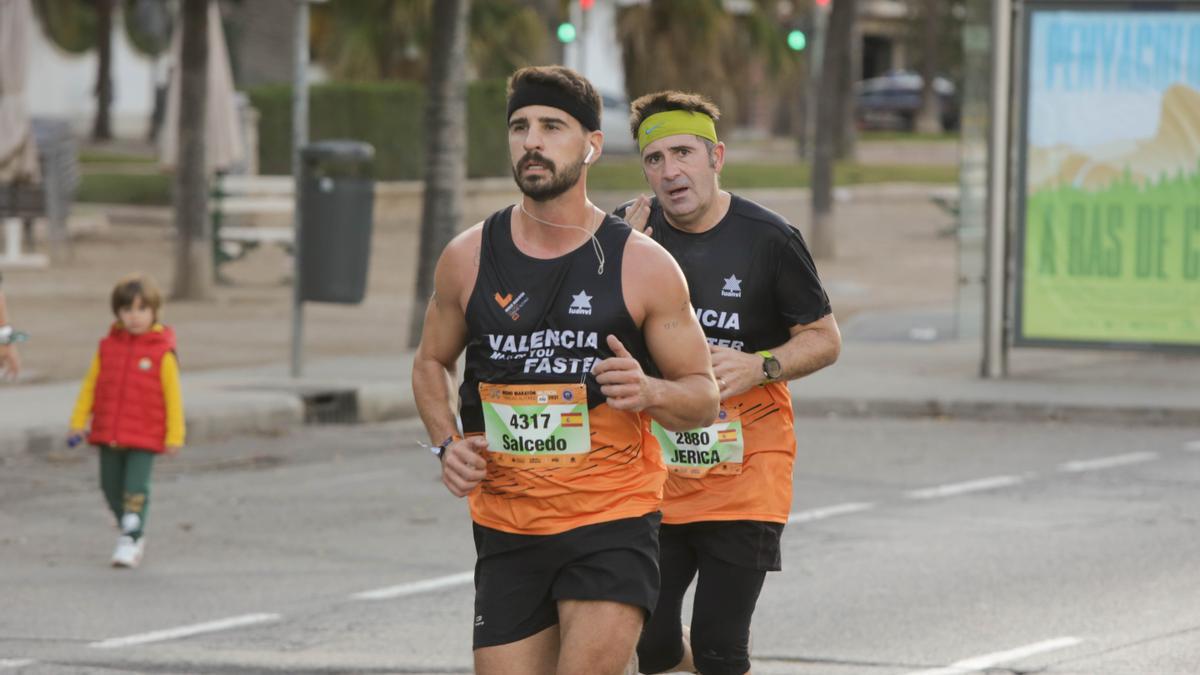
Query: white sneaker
{"type": "Point", "coordinates": [128, 552]}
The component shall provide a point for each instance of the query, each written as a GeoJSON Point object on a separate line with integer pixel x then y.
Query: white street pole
{"type": "Point", "coordinates": [995, 346]}
{"type": "Point", "coordinates": [299, 139]}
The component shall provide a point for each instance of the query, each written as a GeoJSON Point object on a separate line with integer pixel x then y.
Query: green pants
{"type": "Point", "coordinates": [125, 479]}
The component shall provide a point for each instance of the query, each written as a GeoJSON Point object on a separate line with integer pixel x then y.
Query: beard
{"type": "Point", "coordinates": [545, 188]}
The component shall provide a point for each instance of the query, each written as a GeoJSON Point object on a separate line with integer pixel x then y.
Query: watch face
{"type": "Point", "coordinates": [772, 367]}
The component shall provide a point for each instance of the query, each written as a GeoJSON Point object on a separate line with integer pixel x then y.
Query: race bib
{"type": "Point", "coordinates": [536, 424]}
{"type": "Point", "coordinates": [715, 449]}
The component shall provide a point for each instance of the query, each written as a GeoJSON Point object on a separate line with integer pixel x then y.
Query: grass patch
{"type": "Point", "coordinates": [142, 189]}
{"type": "Point", "coordinates": [908, 136]}
{"type": "Point", "coordinates": [626, 175]}
{"type": "Point", "coordinates": [109, 157]}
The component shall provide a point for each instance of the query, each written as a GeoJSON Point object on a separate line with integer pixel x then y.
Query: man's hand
{"type": "Point", "coordinates": [75, 437]}
{"type": "Point", "coordinates": [464, 465]}
{"type": "Point", "coordinates": [638, 214]}
{"type": "Point", "coordinates": [173, 449]}
{"type": "Point", "coordinates": [622, 380]}
{"type": "Point", "coordinates": [10, 362]}
{"type": "Point", "coordinates": [736, 371]}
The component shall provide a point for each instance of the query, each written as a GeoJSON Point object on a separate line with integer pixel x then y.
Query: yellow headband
{"type": "Point", "coordinates": [672, 122]}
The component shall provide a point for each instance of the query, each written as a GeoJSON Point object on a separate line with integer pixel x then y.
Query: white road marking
{"type": "Point", "coordinates": [978, 663]}
{"type": "Point", "coordinates": [829, 512]}
{"type": "Point", "coordinates": [186, 631]}
{"type": "Point", "coordinates": [1192, 445]}
{"type": "Point", "coordinates": [1107, 462]}
{"type": "Point", "coordinates": [16, 663]}
{"type": "Point", "coordinates": [416, 587]}
{"type": "Point", "coordinates": [953, 489]}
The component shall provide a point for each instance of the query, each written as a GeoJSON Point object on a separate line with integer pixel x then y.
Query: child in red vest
{"type": "Point", "coordinates": [131, 393]}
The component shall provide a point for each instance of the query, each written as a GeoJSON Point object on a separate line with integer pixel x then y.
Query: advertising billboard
{"type": "Point", "coordinates": [1108, 246]}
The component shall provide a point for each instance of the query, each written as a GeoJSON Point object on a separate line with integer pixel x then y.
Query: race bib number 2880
{"type": "Point", "coordinates": [536, 424]}
{"type": "Point", "coordinates": [715, 449]}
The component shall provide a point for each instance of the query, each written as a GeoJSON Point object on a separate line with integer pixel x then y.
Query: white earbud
{"type": "Point", "coordinates": [588, 157]}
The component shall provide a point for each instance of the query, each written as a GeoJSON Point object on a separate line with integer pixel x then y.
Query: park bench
{"type": "Point", "coordinates": [244, 198]}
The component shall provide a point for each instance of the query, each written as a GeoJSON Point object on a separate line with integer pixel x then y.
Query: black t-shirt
{"type": "Point", "coordinates": [751, 277]}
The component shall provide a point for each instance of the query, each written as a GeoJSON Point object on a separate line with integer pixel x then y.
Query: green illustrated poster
{"type": "Point", "coordinates": [1110, 239]}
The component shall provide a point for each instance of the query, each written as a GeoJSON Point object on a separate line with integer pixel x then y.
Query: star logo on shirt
{"type": "Point", "coordinates": [581, 303]}
{"type": "Point", "coordinates": [733, 287]}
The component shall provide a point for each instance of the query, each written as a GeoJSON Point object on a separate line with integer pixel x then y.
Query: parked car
{"type": "Point", "coordinates": [892, 101]}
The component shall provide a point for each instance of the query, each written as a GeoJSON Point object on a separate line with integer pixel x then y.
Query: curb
{"type": "Point", "coordinates": [993, 411]}
{"type": "Point", "coordinates": [252, 411]}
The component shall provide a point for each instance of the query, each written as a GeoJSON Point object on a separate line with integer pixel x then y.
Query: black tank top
{"type": "Point", "coordinates": [533, 320]}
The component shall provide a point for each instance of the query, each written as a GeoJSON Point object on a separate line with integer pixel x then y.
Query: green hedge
{"type": "Point", "coordinates": [389, 116]}
{"type": "Point", "coordinates": [145, 189]}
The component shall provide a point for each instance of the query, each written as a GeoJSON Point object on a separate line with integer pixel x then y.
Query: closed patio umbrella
{"type": "Point", "coordinates": [18, 152]}
{"type": "Point", "coordinates": [223, 147]}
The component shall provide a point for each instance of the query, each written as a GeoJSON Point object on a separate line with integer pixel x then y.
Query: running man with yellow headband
{"type": "Point", "coordinates": [767, 319]}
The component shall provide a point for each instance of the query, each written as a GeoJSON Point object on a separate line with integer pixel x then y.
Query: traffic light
{"type": "Point", "coordinates": [796, 40]}
{"type": "Point", "coordinates": [566, 32]}
{"type": "Point", "coordinates": [585, 5]}
{"type": "Point", "coordinates": [822, 3]}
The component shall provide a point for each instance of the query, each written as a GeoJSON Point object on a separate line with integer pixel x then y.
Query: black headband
{"type": "Point", "coordinates": [535, 93]}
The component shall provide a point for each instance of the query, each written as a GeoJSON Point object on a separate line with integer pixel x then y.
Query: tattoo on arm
{"type": "Point", "coordinates": [670, 324]}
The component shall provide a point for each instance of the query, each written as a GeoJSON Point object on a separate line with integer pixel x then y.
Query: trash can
{"type": "Point", "coordinates": [337, 204]}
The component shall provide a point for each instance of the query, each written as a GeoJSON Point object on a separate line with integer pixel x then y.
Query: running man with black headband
{"type": "Point", "coordinates": [564, 312]}
{"type": "Point", "coordinates": [767, 320]}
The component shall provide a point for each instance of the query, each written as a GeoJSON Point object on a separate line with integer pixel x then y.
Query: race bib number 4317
{"type": "Point", "coordinates": [536, 424]}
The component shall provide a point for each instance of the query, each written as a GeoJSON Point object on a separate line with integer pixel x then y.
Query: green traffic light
{"type": "Point", "coordinates": [796, 40]}
{"type": "Point", "coordinates": [566, 32]}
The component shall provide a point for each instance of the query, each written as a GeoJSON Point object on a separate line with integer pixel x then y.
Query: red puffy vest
{"type": "Point", "coordinates": [129, 409]}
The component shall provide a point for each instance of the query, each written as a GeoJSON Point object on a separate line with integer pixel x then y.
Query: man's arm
{"type": "Point", "coordinates": [656, 292]}
{"type": "Point", "coordinates": [443, 338]}
{"type": "Point", "coordinates": [811, 347]}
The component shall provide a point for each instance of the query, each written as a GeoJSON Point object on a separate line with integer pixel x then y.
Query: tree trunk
{"type": "Point", "coordinates": [835, 69]}
{"type": "Point", "coordinates": [929, 118]}
{"type": "Point", "coordinates": [102, 125]}
{"type": "Point", "coordinates": [193, 249]}
{"type": "Point", "coordinates": [445, 149]}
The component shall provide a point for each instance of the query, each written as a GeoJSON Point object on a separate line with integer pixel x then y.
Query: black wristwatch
{"type": "Point", "coordinates": [772, 368]}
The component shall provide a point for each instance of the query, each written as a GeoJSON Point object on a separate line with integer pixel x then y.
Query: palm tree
{"type": "Point", "coordinates": [929, 119]}
{"type": "Point", "coordinates": [193, 254]}
{"type": "Point", "coordinates": [445, 153]}
{"type": "Point", "coordinates": [719, 48]}
{"type": "Point", "coordinates": [102, 128]}
{"type": "Point", "coordinates": [393, 39]}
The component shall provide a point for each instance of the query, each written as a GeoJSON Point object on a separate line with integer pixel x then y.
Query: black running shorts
{"type": "Point", "coordinates": [520, 578]}
{"type": "Point", "coordinates": [746, 543]}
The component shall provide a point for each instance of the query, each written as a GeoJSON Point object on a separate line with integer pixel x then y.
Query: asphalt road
{"type": "Point", "coordinates": [918, 546]}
